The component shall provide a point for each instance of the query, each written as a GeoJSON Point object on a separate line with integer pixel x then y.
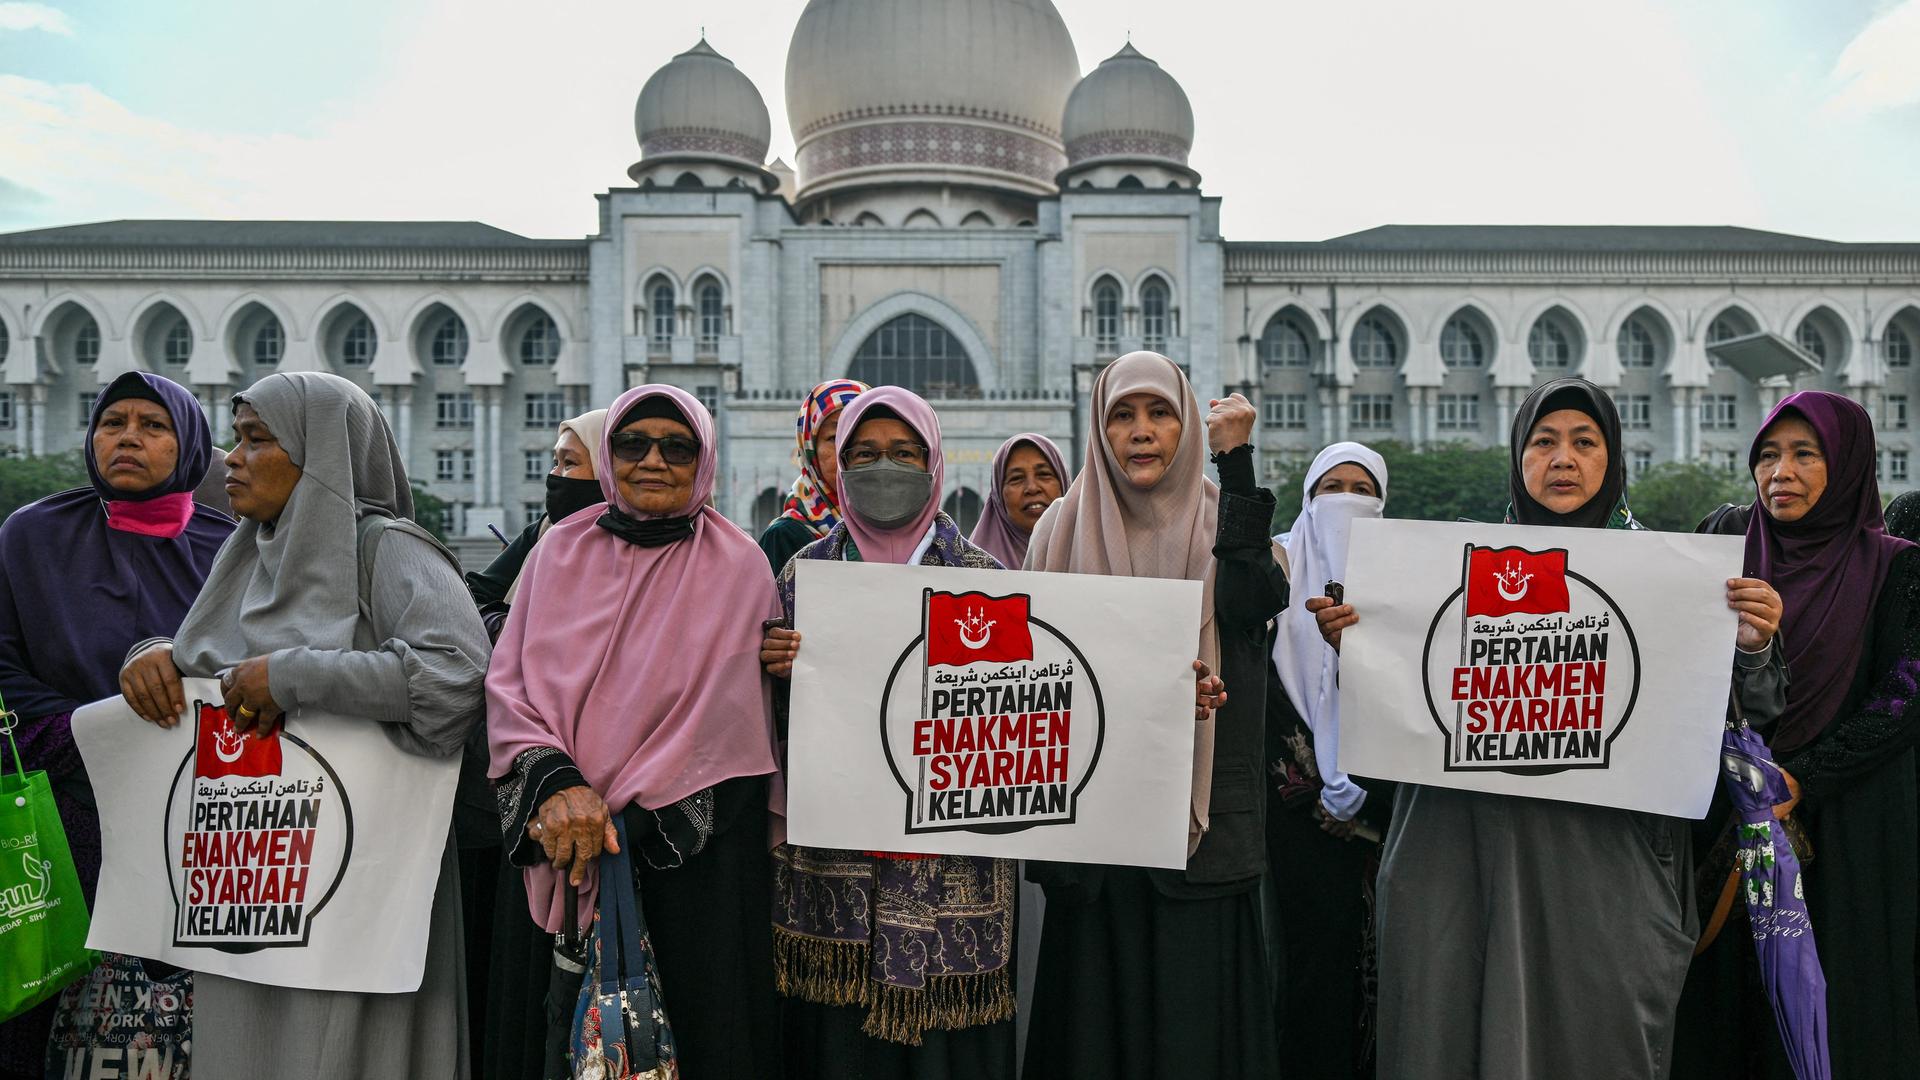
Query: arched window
{"type": "Point", "coordinates": [1550, 344]}
{"type": "Point", "coordinates": [270, 343]}
{"type": "Point", "coordinates": [1638, 345]}
{"type": "Point", "coordinates": [712, 313]}
{"type": "Point", "coordinates": [540, 342]}
{"type": "Point", "coordinates": [1374, 344]}
{"type": "Point", "coordinates": [1153, 314]}
{"type": "Point", "coordinates": [1129, 182]}
{"type": "Point", "coordinates": [1106, 315]}
{"type": "Point", "coordinates": [1462, 345]}
{"type": "Point", "coordinates": [915, 352]}
{"type": "Point", "coordinates": [688, 180]}
{"type": "Point", "coordinates": [660, 312]}
{"type": "Point", "coordinates": [964, 507]}
{"type": "Point", "coordinates": [868, 219]}
{"type": "Point", "coordinates": [1898, 347]}
{"type": "Point", "coordinates": [1728, 325]}
{"type": "Point", "coordinates": [976, 220]}
{"type": "Point", "coordinates": [177, 349]}
{"type": "Point", "coordinates": [449, 347]}
{"type": "Point", "coordinates": [1283, 344]}
{"type": "Point", "coordinates": [1811, 339]}
{"type": "Point", "coordinates": [86, 342]}
{"type": "Point", "coordinates": [359, 343]}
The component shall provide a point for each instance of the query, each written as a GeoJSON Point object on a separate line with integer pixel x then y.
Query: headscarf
{"type": "Point", "coordinates": [1608, 507]}
{"type": "Point", "coordinates": [641, 663]}
{"type": "Point", "coordinates": [1828, 566]}
{"type": "Point", "coordinates": [895, 545]}
{"type": "Point", "coordinates": [295, 581]}
{"type": "Point", "coordinates": [588, 428]}
{"type": "Point", "coordinates": [996, 533]}
{"type": "Point", "coordinates": [1105, 525]}
{"type": "Point", "coordinates": [166, 508]}
{"type": "Point", "coordinates": [810, 501]}
{"type": "Point", "coordinates": [79, 591]}
{"type": "Point", "coordinates": [1317, 554]}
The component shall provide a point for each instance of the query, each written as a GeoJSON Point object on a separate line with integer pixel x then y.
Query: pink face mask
{"type": "Point", "coordinates": [166, 516]}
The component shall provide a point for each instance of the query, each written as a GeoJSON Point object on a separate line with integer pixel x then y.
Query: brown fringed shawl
{"type": "Point", "coordinates": [926, 944]}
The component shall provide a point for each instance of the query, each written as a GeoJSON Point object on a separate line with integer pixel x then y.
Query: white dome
{"type": "Point", "coordinates": [700, 106]}
{"type": "Point", "coordinates": [1130, 109]}
{"type": "Point", "coordinates": [950, 91]}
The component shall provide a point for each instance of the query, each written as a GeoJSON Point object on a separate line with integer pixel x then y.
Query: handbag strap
{"type": "Point", "coordinates": [9, 721]}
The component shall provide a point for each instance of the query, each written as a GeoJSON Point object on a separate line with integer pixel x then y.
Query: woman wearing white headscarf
{"type": "Point", "coordinates": [280, 613]}
{"type": "Point", "coordinates": [1321, 870]}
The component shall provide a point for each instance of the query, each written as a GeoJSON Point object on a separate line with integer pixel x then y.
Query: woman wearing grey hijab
{"type": "Point", "coordinates": [280, 616]}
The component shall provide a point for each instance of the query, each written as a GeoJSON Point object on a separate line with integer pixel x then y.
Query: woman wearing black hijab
{"type": "Point", "coordinates": [1530, 939]}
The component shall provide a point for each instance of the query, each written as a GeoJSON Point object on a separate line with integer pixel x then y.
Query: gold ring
{"type": "Point", "coordinates": [245, 713]}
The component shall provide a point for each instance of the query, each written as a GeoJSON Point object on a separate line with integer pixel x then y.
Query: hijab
{"type": "Point", "coordinates": [1105, 525]}
{"type": "Point", "coordinates": [91, 587]}
{"type": "Point", "coordinates": [810, 501]}
{"type": "Point", "coordinates": [295, 581]}
{"type": "Point", "coordinates": [571, 494]}
{"type": "Point", "coordinates": [1828, 566]}
{"type": "Point", "coordinates": [164, 509]}
{"type": "Point", "coordinates": [1608, 507]}
{"type": "Point", "coordinates": [641, 663]}
{"type": "Point", "coordinates": [996, 534]}
{"type": "Point", "coordinates": [895, 545]}
{"type": "Point", "coordinates": [1317, 554]}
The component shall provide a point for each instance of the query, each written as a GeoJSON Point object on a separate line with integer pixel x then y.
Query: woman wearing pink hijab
{"type": "Point", "coordinates": [895, 966]}
{"type": "Point", "coordinates": [627, 681]}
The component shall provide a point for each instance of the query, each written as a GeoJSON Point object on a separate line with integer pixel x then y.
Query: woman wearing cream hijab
{"type": "Point", "coordinates": [1153, 973]}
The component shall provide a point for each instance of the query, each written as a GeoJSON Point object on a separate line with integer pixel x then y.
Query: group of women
{"type": "Point", "coordinates": [619, 675]}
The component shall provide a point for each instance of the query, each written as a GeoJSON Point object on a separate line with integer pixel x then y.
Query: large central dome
{"type": "Point", "coordinates": [943, 91]}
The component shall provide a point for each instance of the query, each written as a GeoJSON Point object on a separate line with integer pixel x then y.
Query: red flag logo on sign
{"type": "Point", "coordinates": [222, 751]}
{"type": "Point", "coordinates": [1511, 580]}
{"type": "Point", "coordinates": [970, 628]}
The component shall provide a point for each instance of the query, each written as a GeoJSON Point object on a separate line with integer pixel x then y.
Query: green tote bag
{"type": "Point", "coordinates": [43, 914]}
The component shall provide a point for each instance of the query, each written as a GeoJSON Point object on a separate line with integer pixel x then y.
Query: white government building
{"type": "Point", "coordinates": [978, 222]}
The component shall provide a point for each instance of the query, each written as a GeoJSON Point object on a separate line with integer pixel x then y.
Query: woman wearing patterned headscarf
{"type": "Point", "coordinates": [83, 575]}
{"type": "Point", "coordinates": [1151, 973]}
{"type": "Point", "coordinates": [1851, 634]}
{"type": "Point", "coordinates": [813, 503]}
{"type": "Point", "coordinates": [281, 615]}
{"type": "Point", "coordinates": [1578, 918]}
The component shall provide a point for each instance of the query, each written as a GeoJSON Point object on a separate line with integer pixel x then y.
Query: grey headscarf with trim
{"type": "Point", "coordinates": [295, 582]}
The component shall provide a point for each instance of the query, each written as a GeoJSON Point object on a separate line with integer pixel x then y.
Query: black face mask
{"type": "Point", "coordinates": [567, 496]}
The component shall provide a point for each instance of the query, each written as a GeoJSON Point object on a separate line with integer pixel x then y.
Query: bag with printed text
{"type": "Point", "coordinates": [43, 913]}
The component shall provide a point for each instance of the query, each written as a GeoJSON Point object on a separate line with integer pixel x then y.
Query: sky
{"type": "Point", "coordinates": [1313, 119]}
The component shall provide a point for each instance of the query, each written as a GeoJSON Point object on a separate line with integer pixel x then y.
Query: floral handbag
{"type": "Point", "coordinates": [620, 1029]}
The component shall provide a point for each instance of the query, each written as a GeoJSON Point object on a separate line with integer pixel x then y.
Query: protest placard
{"type": "Point", "coordinates": [308, 858]}
{"type": "Point", "coordinates": [1586, 665]}
{"type": "Point", "coordinates": [970, 712]}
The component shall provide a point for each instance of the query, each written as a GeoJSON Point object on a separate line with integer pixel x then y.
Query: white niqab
{"type": "Point", "coordinates": [1308, 666]}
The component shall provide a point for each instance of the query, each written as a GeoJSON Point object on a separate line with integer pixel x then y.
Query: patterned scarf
{"type": "Point", "coordinates": [808, 501]}
{"type": "Point", "coordinates": [925, 944]}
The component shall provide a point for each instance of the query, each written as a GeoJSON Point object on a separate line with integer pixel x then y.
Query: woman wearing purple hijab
{"type": "Point", "coordinates": [1851, 634]}
{"type": "Point", "coordinates": [1029, 473]}
{"type": "Point", "coordinates": [85, 574]}
{"type": "Point", "coordinates": [894, 966]}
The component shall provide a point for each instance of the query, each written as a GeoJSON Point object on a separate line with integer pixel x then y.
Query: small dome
{"type": "Point", "coordinates": [946, 91]}
{"type": "Point", "coordinates": [700, 106]}
{"type": "Point", "coordinates": [1128, 109]}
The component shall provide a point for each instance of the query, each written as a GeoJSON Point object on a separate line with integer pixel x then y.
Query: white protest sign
{"type": "Point", "coordinates": [987, 712]}
{"type": "Point", "coordinates": [305, 859]}
{"type": "Point", "coordinates": [1586, 665]}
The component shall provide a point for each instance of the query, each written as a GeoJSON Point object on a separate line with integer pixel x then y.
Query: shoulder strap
{"type": "Point", "coordinates": [371, 528]}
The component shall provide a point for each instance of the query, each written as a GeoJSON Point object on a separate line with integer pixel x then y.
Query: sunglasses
{"type": "Point", "coordinates": [674, 449]}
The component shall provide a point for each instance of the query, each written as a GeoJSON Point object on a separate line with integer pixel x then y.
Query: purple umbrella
{"type": "Point", "coordinates": [1776, 902]}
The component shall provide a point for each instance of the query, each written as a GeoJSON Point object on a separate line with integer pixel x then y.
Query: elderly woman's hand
{"type": "Point", "coordinates": [1331, 617]}
{"type": "Point", "coordinates": [249, 698]}
{"type": "Point", "coordinates": [1759, 607]}
{"type": "Point", "coordinates": [573, 826]}
{"type": "Point", "coordinates": [1209, 693]}
{"type": "Point", "coordinates": [151, 685]}
{"type": "Point", "coordinates": [778, 651]}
